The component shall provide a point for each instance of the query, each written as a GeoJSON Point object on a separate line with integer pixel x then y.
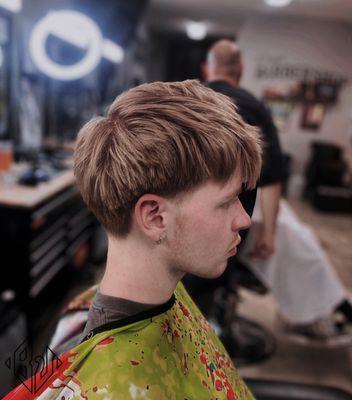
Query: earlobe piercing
{"type": "Point", "coordinates": [161, 238]}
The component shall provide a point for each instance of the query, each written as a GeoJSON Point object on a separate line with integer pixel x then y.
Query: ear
{"type": "Point", "coordinates": [204, 71]}
{"type": "Point", "coordinates": [240, 72]}
{"type": "Point", "coordinates": [150, 215]}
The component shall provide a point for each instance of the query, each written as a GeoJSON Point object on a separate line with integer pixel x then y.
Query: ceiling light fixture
{"type": "Point", "coordinates": [278, 3]}
{"type": "Point", "coordinates": [196, 30]}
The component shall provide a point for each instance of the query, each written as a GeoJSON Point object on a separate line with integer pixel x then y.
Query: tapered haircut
{"type": "Point", "coordinates": [165, 139]}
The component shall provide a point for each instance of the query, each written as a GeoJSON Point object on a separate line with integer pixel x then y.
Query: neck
{"type": "Point", "coordinates": [227, 79]}
{"type": "Point", "coordinates": [136, 272]}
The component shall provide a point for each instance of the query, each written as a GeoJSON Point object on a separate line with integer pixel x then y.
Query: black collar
{"type": "Point", "coordinates": [145, 314]}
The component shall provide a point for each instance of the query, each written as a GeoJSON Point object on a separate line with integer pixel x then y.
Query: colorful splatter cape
{"type": "Point", "coordinates": [172, 355]}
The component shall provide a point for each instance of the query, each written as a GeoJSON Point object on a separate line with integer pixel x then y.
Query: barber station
{"type": "Point", "coordinates": [176, 200]}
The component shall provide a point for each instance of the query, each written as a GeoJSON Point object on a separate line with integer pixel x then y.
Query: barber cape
{"type": "Point", "coordinates": [173, 354]}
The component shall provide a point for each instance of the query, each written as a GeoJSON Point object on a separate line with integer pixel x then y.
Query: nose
{"type": "Point", "coordinates": [241, 219]}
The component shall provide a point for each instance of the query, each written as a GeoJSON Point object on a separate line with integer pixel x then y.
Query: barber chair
{"type": "Point", "coordinates": [245, 340]}
{"type": "Point", "coordinates": [325, 173]}
{"type": "Point", "coordinates": [325, 166]}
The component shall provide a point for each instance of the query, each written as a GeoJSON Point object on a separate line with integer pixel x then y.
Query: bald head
{"type": "Point", "coordinates": [224, 61]}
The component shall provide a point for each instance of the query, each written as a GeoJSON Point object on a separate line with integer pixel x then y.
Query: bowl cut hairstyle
{"type": "Point", "coordinates": [165, 139]}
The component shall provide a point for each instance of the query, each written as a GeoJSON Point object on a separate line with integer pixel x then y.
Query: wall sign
{"type": "Point", "coordinates": [79, 30]}
{"type": "Point", "coordinates": [277, 69]}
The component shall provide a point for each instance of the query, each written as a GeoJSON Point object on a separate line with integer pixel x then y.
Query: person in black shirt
{"type": "Point", "coordinates": [223, 72]}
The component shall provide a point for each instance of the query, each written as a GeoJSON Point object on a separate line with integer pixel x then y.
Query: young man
{"type": "Point", "coordinates": [162, 173]}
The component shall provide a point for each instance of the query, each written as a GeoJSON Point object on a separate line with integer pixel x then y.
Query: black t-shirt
{"type": "Point", "coordinates": [254, 112]}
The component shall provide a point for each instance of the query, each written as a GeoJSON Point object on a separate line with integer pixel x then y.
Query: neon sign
{"type": "Point", "coordinates": [14, 6]}
{"type": "Point", "coordinates": [79, 30]}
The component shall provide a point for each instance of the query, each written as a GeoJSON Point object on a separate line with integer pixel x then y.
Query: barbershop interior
{"type": "Point", "coordinates": [285, 318]}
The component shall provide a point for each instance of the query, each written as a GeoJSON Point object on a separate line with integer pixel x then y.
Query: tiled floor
{"type": "Point", "coordinates": [307, 361]}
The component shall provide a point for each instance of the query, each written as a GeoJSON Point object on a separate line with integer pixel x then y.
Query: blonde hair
{"type": "Point", "coordinates": [161, 138]}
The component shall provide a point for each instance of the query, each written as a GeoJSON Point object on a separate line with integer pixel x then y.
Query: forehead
{"type": "Point", "coordinates": [211, 191]}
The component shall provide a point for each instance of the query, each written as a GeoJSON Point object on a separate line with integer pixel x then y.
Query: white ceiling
{"type": "Point", "coordinates": [171, 13]}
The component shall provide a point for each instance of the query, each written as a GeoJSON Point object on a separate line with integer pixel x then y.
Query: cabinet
{"type": "Point", "coordinates": [41, 238]}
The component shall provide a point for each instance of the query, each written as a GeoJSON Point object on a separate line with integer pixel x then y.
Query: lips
{"type": "Point", "coordinates": [233, 250]}
{"type": "Point", "coordinates": [237, 242]}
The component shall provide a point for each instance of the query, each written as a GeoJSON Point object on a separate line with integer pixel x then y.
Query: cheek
{"type": "Point", "coordinates": [200, 230]}
{"type": "Point", "coordinates": [193, 220]}
{"type": "Point", "coordinates": [210, 233]}
{"type": "Point", "coordinates": [202, 224]}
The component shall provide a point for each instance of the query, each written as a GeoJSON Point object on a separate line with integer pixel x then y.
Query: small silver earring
{"type": "Point", "coordinates": [161, 238]}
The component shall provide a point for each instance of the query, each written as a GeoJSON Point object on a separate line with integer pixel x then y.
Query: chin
{"type": "Point", "coordinates": [217, 271]}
